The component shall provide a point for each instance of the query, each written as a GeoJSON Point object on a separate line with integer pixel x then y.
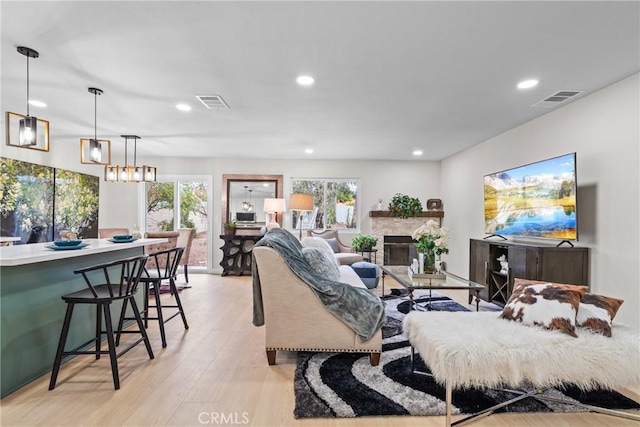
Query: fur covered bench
{"type": "Point", "coordinates": [480, 349]}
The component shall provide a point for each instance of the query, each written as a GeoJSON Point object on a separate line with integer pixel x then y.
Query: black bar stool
{"type": "Point", "coordinates": [162, 265]}
{"type": "Point", "coordinates": [120, 283]}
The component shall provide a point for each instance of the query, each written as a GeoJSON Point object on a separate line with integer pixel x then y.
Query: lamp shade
{"type": "Point", "coordinates": [301, 202]}
{"type": "Point", "coordinates": [274, 205]}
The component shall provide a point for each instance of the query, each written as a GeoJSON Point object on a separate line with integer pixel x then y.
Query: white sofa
{"type": "Point", "coordinates": [296, 320]}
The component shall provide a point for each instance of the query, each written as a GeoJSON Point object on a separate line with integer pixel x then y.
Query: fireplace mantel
{"type": "Point", "coordinates": [423, 214]}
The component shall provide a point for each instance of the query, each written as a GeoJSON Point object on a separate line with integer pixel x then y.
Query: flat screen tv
{"type": "Point", "coordinates": [534, 200]}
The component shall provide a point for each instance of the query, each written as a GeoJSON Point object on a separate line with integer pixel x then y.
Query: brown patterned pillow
{"type": "Point", "coordinates": [551, 305]}
{"type": "Point", "coordinates": [596, 313]}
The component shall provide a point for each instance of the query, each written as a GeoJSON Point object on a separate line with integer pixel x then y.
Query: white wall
{"type": "Point", "coordinates": [604, 130]}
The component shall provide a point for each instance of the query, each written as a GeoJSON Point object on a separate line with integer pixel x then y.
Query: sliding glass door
{"type": "Point", "coordinates": [181, 202]}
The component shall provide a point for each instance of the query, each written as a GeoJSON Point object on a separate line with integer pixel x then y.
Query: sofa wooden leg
{"type": "Point", "coordinates": [374, 359]}
{"type": "Point", "coordinates": [271, 357]}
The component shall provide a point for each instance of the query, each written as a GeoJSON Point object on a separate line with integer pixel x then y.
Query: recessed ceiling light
{"type": "Point", "coordinates": [308, 151]}
{"type": "Point", "coordinates": [305, 80]}
{"type": "Point", "coordinates": [417, 152]}
{"type": "Point", "coordinates": [37, 103]}
{"type": "Point", "coordinates": [183, 107]}
{"type": "Point", "coordinates": [527, 84]}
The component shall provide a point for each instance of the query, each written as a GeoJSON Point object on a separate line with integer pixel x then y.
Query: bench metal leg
{"type": "Point", "coordinates": [537, 394]}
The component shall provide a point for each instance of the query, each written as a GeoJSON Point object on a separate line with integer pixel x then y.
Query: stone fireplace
{"type": "Point", "coordinates": [394, 235]}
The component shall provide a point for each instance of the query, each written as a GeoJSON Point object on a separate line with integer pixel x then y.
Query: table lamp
{"type": "Point", "coordinates": [272, 207]}
{"type": "Point", "coordinates": [301, 202]}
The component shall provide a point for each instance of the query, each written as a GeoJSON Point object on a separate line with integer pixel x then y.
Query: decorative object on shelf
{"type": "Point", "coordinates": [504, 265]}
{"type": "Point", "coordinates": [128, 173]}
{"type": "Point", "coordinates": [431, 240]}
{"type": "Point", "coordinates": [301, 202]}
{"type": "Point", "coordinates": [363, 242]}
{"type": "Point", "coordinates": [379, 204]}
{"type": "Point", "coordinates": [272, 207]}
{"type": "Point", "coordinates": [405, 206]}
{"type": "Point", "coordinates": [440, 265]}
{"type": "Point", "coordinates": [93, 150]}
{"type": "Point", "coordinates": [229, 228]}
{"type": "Point", "coordinates": [434, 204]}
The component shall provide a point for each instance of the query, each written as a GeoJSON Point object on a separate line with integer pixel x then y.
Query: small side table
{"type": "Point", "coordinates": [368, 257]}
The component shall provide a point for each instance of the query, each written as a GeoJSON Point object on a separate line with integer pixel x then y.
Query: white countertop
{"type": "Point", "coordinates": [38, 252]}
{"type": "Point", "coordinates": [4, 239]}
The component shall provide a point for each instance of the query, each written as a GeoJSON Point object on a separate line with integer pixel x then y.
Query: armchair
{"type": "Point", "coordinates": [184, 240]}
{"type": "Point", "coordinates": [343, 253]}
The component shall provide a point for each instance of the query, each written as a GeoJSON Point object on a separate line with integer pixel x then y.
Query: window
{"type": "Point", "coordinates": [335, 204]}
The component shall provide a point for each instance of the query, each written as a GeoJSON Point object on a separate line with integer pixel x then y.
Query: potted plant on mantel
{"type": "Point", "coordinates": [364, 242]}
{"type": "Point", "coordinates": [229, 227]}
{"type": "Point", "coordinates": [405, 206]}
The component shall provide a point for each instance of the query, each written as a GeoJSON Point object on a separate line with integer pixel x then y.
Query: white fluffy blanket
{"type": "Point", "coordinates": [471, 349]}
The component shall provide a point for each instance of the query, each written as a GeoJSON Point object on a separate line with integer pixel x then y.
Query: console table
{"type": "Point", "coordinates": [236, 253]}
{"type": "Point", "coordinates": [526, 261]}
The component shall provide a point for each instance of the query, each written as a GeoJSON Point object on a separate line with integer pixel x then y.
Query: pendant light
{"type": "Point", "coordinates": [128, 173]}
{"type": "Point", "coordinates": [94, 148]}
{"type": "Point", "coordinates": [28, 124]}
{"type": "Point", "coordinates": [245, 204]}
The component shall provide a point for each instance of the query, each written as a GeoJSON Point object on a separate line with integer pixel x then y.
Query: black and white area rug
{"type": "Point", "coordinates": [346, 385]}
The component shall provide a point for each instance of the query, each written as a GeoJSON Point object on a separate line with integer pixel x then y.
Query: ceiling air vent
{"type": "Point", "coordinates": [557, 98]}
{"type": "Point", "coordinates": [213, 102]}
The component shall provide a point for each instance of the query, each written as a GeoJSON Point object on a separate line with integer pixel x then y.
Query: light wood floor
{"type": "Point", "coordinates": [215, 373]}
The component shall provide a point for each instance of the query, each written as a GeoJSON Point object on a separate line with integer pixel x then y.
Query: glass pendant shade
{"type": "Point", "coordinates": [28, 131]}
{"type": "Point", "coordinates": [95, 151]}
{"type": "Point", "coordinates": [111, 173]}
{"type": "Point", "coordinates": [149, 173]}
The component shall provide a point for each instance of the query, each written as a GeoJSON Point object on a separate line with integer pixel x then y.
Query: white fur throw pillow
{"type": "Point", "coordinates": [322, 262]}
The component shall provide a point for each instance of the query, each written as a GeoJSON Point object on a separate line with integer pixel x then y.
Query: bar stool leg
{"type": "Point", "coordinates": [112, 346]}
{"type": "Point", "coordinates": [98, 330]}
{"type": "Point", "coordinates": [121, 321]}
{"type": "Point", "coordinates": [146, 304]}
{"type": "Point", "coordinates": [176, 294]}
{"type": "Point", "coordinates": [156, 294]}
{"type": "Point", "coordinates": [136, 313]}
{"type": "Point", "coordinates": [61, 343]}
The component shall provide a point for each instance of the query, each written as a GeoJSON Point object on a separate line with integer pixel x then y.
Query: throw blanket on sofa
{"type": "Point", "coordinates": [358, 308]}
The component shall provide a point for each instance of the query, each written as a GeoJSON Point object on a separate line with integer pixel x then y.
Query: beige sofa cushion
{"type": "Point", "coordinates": [347, 258]}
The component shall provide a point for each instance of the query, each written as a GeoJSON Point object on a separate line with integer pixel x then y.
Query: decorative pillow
{"type": "Point", "coordinates": [316, 242]}
{"type": "Point", "coordinates": [322, 262]}
{"type": "Point", "coordinates": [596, 313]}
{"type": "Point", "coordinates": [335, 246]}
{"type": "Point", "coordinates": [551, 305]}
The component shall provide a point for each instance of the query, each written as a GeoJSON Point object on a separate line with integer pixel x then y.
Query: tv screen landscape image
{"type": "Point", "coordinates": [534, 200]}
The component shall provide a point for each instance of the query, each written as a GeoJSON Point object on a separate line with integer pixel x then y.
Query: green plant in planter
{"type": "Point", "coordinates": [405, 206]}
{"type": "Point", "coordinates": [363, 242]}
{"type": "Point", "coordinates": [230, 224]}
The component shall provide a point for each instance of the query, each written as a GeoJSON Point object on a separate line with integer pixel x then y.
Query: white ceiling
{"type": "Point", "coordinates": [391, 77]}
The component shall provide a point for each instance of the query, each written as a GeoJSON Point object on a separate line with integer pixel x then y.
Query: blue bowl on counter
{"type": "Point", "coordinates": [67, 242]}
{"type": "Point", "coordinates": [122, 237]}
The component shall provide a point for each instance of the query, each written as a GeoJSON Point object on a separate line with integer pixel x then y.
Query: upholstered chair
{"type": "Point", "coordinates": [172, 242]}
{"type": "Point", "coordinates": [343, 253]}
{"type": "Point", "coordinates": [105, 233]}
{"type": "Point", "coordinates": [184, 241]}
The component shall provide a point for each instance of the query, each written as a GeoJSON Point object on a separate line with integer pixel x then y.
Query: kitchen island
{"type": "Point", "coordinates": [33, 279]}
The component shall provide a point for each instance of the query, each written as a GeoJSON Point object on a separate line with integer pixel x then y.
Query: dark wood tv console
{"type": "Point", "coordinates": [527, 261]}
